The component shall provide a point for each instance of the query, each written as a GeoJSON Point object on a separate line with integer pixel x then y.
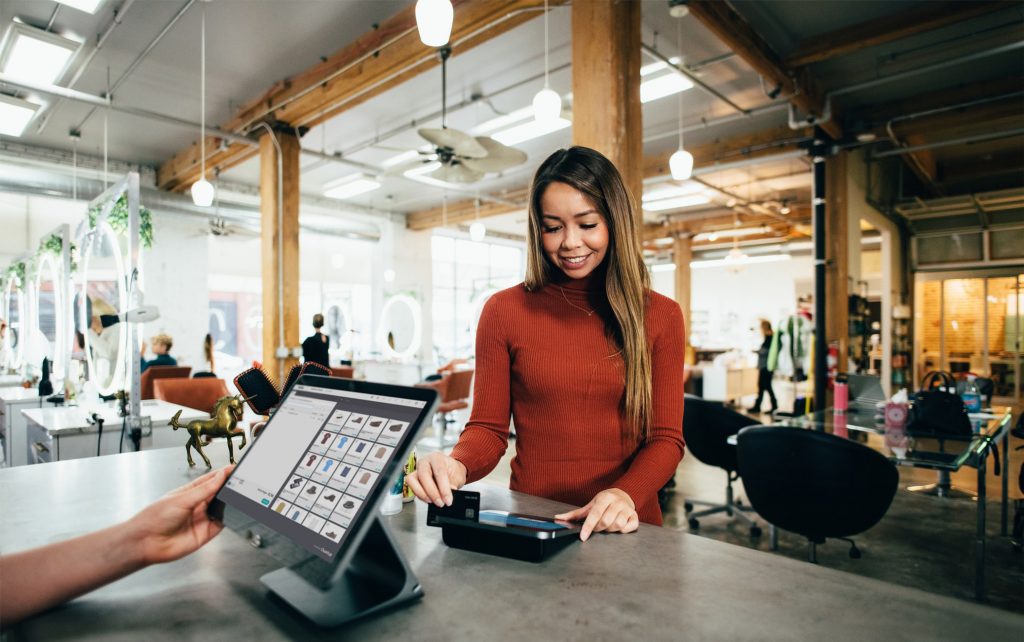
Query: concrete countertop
{"type": "Point", "coordinates": [656, 584]}
{"type": "Point", "coordinates": [64, 419]}
{"type": "Point", "coordinates": [16, 394]}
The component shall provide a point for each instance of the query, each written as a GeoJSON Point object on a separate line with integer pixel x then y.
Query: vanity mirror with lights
{"type": "Point", "coordinates": [14, 313]}
{"type": "Point", "coordinates": [400, 332]}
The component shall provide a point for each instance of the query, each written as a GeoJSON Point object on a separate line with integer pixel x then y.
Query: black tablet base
{"type": "Point", "coordinates": [378, 578]}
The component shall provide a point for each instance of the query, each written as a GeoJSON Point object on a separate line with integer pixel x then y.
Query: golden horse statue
{"type": "Point", "coordinates": [227, 412]}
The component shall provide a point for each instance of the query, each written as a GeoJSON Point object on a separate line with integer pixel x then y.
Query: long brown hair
{"type": "Point", "coordinates": [626, 278]}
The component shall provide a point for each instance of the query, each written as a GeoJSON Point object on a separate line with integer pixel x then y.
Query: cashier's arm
{"type": "Point", "coordinates": [168, 529]}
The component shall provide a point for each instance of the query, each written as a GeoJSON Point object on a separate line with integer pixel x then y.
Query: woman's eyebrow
{"type": "Point", "coordinates": [577, 215]}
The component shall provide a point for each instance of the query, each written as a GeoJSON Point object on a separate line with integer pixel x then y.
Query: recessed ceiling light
{"type": "Point", "coordinates": [88, 6]}
{"type": "Point", "coordinates": [349, 186]}
{"type": "Point", "coordinates": [33, 54]}
{"type": "Point", "coordinates": [671, 189]}
{"type": "Point", "coordinates": [15, 115]}
{"type": "Point", "coordinates": [665, 85]}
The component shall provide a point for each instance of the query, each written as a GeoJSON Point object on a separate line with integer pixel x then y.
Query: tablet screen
{"type": "Point", "coordinates": [318, 464]}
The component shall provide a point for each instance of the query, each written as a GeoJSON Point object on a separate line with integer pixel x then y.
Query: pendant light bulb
{"type": "Point", "coordinates": [477, 231]}
{"type": "Point", "coordinates": [681, 164]}
{"type": "Point", "coordinates": [202, 193]}
{"type": "Point", "coordinates": [434, 21]}
{"type": "Point", "coordinates": [547, 106]}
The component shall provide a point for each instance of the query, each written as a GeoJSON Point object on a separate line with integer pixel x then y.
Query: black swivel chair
{"type": "Point", "coordinates": [706, 427]}
{"type": "Point", "coordinates": [815, 484]}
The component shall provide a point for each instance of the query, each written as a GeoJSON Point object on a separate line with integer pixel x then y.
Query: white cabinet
{"type": "Point", "coordinates": [729, 384]}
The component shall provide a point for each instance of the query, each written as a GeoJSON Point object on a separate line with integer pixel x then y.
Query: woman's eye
{"type": "Point", "coordinates": [549, 229]}
{"type": "Point", "coordinates": [589, 226]}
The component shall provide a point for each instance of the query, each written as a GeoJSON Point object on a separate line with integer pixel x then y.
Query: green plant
{"type": "Point", "coordinates": [54, 244]}
{"type": "Point", "coordinates": [17, 271]}
{"type": "Point", "coordinates": [118, 220]}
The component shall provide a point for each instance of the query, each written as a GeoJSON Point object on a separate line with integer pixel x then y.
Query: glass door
{"type": "Point", "coordinates": [1005, 307]}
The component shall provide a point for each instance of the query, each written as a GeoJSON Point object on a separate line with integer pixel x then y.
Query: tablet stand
{"type": "Point", "coordinates": [377, 578]}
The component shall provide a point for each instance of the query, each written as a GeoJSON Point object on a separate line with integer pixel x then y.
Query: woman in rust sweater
{"type": "Point", "coordinates": [583, 356]}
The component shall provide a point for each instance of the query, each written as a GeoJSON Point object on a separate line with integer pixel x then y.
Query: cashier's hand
{"type": "Point", "coordinates": [176, 524]}
{"type": "Point", "coordinates": [611, 511]}
{"type": "Point", "coordinates": [435, 477]}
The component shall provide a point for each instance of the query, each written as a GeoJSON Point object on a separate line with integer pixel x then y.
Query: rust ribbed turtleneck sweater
{"type": "Point", "coordinates": [547, 363]}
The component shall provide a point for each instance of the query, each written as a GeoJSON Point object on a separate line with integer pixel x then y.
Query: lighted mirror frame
{"type": "Point", "coordinates": [417, 327]}
{"type": "Point", "coordinates": [343, 322]}
{"type": "Point", "coordinates": [59, 357]}
{"type": "Point", "coordinates": [15, 357]}
{"type": "Point", "coordinates": [117, 380]}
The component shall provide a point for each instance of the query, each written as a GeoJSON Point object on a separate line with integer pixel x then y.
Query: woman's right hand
{"type": "Point", "coordinates": [435, 477]}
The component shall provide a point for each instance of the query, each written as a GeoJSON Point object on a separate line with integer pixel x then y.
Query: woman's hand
{"type": "Point", "coordinates": [611, 511]}
{"type": "Point", "coordinates": [435, 477]}
{"type": "Point", "coordinates": [177, 524]}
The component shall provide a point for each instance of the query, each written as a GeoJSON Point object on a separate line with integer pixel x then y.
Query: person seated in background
{"type": "Point", "coordinates": [207, 366]}
{"type": "Point", "coordinates": [316, 347]}
{"type": "Point", "coordinates": [168, 529]}
{"type": "Point", "coordinates": [161, 348]}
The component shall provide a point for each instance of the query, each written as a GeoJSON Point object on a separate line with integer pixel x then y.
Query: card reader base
{"type": "Point", "coordinates": [502, 544]}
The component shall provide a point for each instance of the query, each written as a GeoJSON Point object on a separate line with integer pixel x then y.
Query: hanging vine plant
{"type": "Point", "coordinates": [54, 244]}
{"type": "Point", "coordinates": [17, 270]}
{"type": "Point", "coordinates": [118, 220]}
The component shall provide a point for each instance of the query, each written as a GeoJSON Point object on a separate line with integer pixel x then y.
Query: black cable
{"type": "Point", "coordinates": [124, 426]}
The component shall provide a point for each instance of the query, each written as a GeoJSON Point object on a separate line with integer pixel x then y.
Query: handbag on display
{"type": "Point", "coordinates": [938, 411]}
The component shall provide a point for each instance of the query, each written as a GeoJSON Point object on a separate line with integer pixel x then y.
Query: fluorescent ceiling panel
{"type": "Point", "coordinates": [503, 121]}
{"type": "Point", "coordinates": [666, 85]}
{"type": "Point", "coordinates": [676, 203]}
{"type": "Point", "coordinates": [36, 55]}
{"type": "Point", "coordinates": [655, 67]}
{"type": "Point", "coordinates": [530, 130]}
{"type": "Point", "coordinates": [669, 190]}
{"type": "Point", "coordinates": [771, 258]}
{"type": "Point", "coordinates": [88, 6]}
{"type": "Point", "coordinates": [15, 115]}
{"type": "Point", "coordinates": [349, 186]}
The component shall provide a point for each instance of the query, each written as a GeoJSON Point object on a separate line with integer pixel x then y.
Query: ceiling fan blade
{"type": "Point", "coordinates": [401, 168]}
{"type": "Point", "coordinates": [457, 173]}
{"type": "Point", "coordinates": [499, 156]}
{"type": "Point", "coordinates": [461, 143]}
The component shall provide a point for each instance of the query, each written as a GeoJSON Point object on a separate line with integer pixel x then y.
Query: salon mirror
{"type": "Point", "coordinates": [105, 297]}
{"type": "Point", "coordinates": [400, 330]}
{"type": "Point", "coordinates": [14, 313]}
{"type": "Point", "coordinates": [49, 312]}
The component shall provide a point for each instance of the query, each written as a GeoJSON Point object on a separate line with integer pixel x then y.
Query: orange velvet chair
{"type": "Point", "coordinates": [345, 372]}
{"type": "Point", "coordinates": [454, 389]}
{"type": "Point", "coordinates": [200, 394]}
{"type": "Point", "coordinates": [153, 373]}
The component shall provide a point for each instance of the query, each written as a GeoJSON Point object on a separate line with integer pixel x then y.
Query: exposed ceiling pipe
{"type": "Point", "coordinates": [176, 204]}
{"type": "Point", "coordinates": [115, 21]}
{"type": "Point", "coordinates": [694, 78]}
{"type": "Point", "coordinates": [978, 55]}
{"type": "Point", "coordinates": [99, 101]}
{"type": "Point", "coordinates": [948, 143]}
{"type": "Point", "coordinates": [138, 60]}
{"type": "Point", "coordinates": [714, 122]}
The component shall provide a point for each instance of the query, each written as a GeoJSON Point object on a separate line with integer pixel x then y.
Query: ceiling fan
{"type": "Point", "coordinates": [463, 158]}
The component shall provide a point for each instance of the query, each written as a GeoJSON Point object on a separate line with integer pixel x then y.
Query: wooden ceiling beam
{"type": "Point", "coordinates": [376, 62]}
{"type": "Point", "coordinates": [769, 142]}
{"type": "Point", "coordinates": [737, 34]}
{"type": "Point", "coordinates": [919, 19]}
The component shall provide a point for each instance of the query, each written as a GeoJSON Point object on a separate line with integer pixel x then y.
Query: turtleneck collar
{"type": "Point", "coordinates": [593, 282]}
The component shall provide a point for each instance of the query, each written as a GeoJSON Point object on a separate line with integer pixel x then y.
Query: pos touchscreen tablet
{"type": "Point", "coordinates": [308, 488]}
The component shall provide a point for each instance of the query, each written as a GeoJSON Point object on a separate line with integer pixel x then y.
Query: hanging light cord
{"type": "Point", "coordinates": [202, 94]}
{"type": "Point", "coordinates": [679, 44]}
{"type": "Point", "coordinates": [545, 44]}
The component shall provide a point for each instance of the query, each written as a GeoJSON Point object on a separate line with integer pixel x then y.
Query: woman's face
{"type": "Point", "coordinates": [573, 233]}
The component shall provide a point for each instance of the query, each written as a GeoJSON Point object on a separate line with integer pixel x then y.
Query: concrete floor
{"type": "Point", "coordinates": [923, 542]}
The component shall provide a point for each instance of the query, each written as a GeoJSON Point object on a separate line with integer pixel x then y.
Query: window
{"type": "Point", "coordinates": [465, 274]}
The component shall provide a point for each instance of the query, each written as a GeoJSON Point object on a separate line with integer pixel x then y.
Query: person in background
{"type": "Point", "coordinates": [583, 357]}
{"type": "Point", "coordinates": [168, 529]}
{"type": "Point", "coordinates": [162, 344]}
{"type": "Point", "coordinates": [208, 364]}
{"type": "Point", "coordinates": [316, 347]}
{"type": "Point", "coordinates": [764, 373]}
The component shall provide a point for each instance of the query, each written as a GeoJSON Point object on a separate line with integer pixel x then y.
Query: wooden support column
{"type": "Point", "coordinates": [682, 254]}
{"type": "Point", "coordinates": [837, 249]}
{"type": "Point", "coordinates": [606, 85]}
{"type": "Point", "coordinates": [279, 244]}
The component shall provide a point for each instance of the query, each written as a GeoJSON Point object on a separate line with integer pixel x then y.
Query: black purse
{"type": "Point", "coordinates": [936, 412]}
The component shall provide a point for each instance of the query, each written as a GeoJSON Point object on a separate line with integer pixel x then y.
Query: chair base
{"type": "Point", "coordinates": [732, 507]}
{"type": "Point", "coordinates": [942, 488]}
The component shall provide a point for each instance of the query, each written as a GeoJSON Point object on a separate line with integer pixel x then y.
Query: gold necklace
{"type": "Point", "coordinates": [589, 312]}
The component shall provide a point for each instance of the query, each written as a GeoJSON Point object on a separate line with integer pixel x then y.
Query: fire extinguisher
{"type": "Point", "coordinates": [833, 363]}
